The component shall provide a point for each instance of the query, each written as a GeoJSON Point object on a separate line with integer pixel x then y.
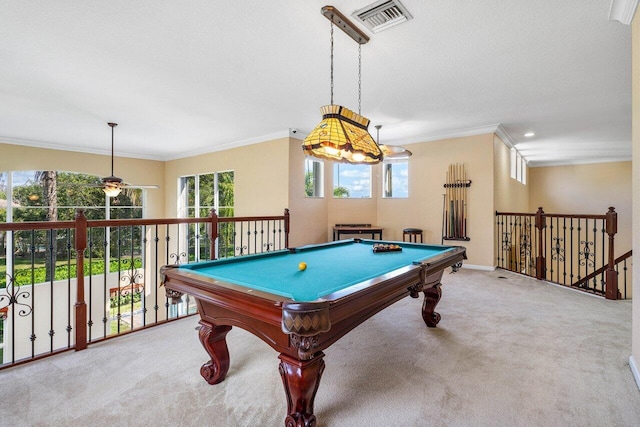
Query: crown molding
{"type": "Point", "coordinates": [76, 149]}
{"type": "Point", "coordinates": [458, 133]}
{"type": "Point", "coordinates": [565, 162]}
{"type": "Point", "coordinates": [264, 138]}
{"type": "Point", "coordinates": [623, 10]}
{"type": "Point", "coordinates": [504, 136]}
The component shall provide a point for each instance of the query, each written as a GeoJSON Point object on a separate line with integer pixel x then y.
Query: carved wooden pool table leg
{"type": "Point", "coordinates": [431, 298]}
{"type": "Point", "coordinates": [213, 339]}
{"type": "Point", "coordinates": [301, 379]}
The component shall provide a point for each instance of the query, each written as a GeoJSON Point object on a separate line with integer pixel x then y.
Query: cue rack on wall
{"type": "Point", "coordinates": [454, 210]}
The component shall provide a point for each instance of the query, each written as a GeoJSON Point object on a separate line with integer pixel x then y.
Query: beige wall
{"type": "Point", "coordinates": [308, 214]}
{"type": "Point", "coordinates": [586, 189]}
{"type": "Point", "coordinates": [635, 351]}
{"type": "Point", "coordinates": [134, 171]}
{"type": "Point", "coordinates": [261, 176]}
{"type": "Point", "coordinates": [423, 209]}
{"type": "Point", "coordinates": [510, 195]}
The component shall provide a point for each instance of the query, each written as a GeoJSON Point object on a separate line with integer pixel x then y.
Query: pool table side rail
{"type": "Point", "coordinates": [349, 312]}
{"type": "Point", "coordinates": [222, 305]}
{"type": "Point", "coordinates": [435, 262]}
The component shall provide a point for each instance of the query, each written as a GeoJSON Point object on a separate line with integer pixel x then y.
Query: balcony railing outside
{"type": "Point", "coordinates": [577, 251]}
{"type": "Point", "coordinates": [65, 285]}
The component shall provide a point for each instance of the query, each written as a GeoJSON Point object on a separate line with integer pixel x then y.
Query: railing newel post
{"type": "Point", "coordinates": [286, 228]}
{"type": "Point", "coordinates": [541, 224]}
{"type": "Point", "coordinates": [213, 232]}
{"type": "Point", "coordinates": [611, 275]}
{"type": "Point", "coordinates": [80, 305]}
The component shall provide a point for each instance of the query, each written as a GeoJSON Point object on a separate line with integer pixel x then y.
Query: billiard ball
{"type": "Point", "coordinates": [302, 266]}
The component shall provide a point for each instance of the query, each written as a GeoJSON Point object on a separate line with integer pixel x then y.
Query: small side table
{"type": "Point", "coordinates": [412, 235]}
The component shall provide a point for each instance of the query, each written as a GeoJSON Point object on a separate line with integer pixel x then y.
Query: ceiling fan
{"type": "Point", "coordinates": [113, 185]}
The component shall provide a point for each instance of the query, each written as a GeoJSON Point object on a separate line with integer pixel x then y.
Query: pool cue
{"type": "Point", "coordinates": [447, 205]}
{"type": "Point", "coordinates": [451, 202]}
{"type": "Point", "coordinates": [456, 180]}
{"type": "Point", "coordinates": [444, 217]}
{"type": "Point", "coordinates": [461, 191]}
{"type": "Point", "coordinates": [464, 202]}
{"type": "Point", "coordinates": [455, 202]}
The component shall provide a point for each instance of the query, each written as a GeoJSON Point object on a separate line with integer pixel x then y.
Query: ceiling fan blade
{"type": "Point", "coordinates": [78, 184]}
{"type": "Point", "coordinates": [394, 151]}
{"type": "Point", "coordinates": [140, 186]}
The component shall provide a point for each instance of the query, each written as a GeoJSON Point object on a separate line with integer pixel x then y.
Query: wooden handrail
{"type": "Point", "coordinates": [609, 226]}
{"type": "Point", "coordinates": [602, 269]}
{"type": "Point", "coordinates": [80, 225]}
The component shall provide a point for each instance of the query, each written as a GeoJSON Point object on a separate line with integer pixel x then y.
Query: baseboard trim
{"type": "Point", "coordinates": [634, 370]}
{"type": "Point", "coordinates": [478, 267]}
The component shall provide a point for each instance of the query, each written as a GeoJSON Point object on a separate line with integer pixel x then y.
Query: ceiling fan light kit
{"type": "Point", "coordinates": [113, 185]}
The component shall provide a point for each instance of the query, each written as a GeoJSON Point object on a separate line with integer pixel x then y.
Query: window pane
{"type": "Point", "coordinates": [125, 213]}
{"type": "Point", "coordinates": [206, 193]}
{"type": "Point", "coordinates": [351, 181]}
{"type": "Point", "coordinates": [214, 191]}
{"type": "Point", "coordinates": [95, 213]}
{"type": "Point", "coordinates": [313, 178]}
{"type": "Point", "coordinates": [190, 185]}
{"type": "Point", "coordinates": [3, 197]}
{"type": "Point", "coordinates": [225, 192]}
{"type": "Point", "coordinates": [225, 212]}
{"type": "Point", "coordinates": [395, 179]}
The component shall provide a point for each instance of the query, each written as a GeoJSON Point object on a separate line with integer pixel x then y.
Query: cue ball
{"type": "Point", "coordinates": [302, 266]}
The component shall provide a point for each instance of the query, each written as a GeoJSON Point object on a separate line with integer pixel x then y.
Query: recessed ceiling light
{"type": "Point", "coordinates": [529, 134]}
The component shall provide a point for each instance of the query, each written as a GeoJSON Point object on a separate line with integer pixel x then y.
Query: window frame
{"type": "Point", "coordinates": [386, 165]}
{"type": "Point", "coordinates": [317, 177]}
{"type": "Point", "coordinates": [518, 166]}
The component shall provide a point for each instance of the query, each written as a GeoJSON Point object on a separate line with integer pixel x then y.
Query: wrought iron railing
{"type": "Point", "coordinates": [571, 250]}
{"type": "Point", "coordinates": [65, 285]}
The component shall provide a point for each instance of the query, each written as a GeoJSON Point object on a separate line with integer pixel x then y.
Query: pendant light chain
{"type": "Point", "coordinates": [342, 135]}
{"type": "Point", "coordinates": [331, 63]}
{"type": "Point", "coordinates": [359, 77]}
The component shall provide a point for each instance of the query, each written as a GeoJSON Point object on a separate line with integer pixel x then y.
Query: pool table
{"type": "Point", "coordinates": [301, 312]}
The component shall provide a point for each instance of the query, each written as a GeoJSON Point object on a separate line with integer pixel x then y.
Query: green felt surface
{"type": "Point", "coordinates": [329, 268]}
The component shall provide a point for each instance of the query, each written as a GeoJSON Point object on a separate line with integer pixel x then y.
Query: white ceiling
{"type": "Point", "coordinates": [187, 77]}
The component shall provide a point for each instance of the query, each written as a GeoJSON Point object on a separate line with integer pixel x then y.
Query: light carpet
{"type": "Point", "coordinates": [509, 351]}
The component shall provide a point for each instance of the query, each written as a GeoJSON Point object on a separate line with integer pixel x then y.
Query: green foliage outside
{"type": "Point", "coordinates": [340, 192]}
{"type": "Point", "coordinates": [56, 196]}
{"type": "Point", "coordinates": [207, 201]}
{"type": "Point", "coordinates": [72, 191]}
{"type": "Point", "coordinates": [308, 184]}
{"type": "Point", "coordinates": [125, 299]}
{"type": "Point", "coordinates": [23, 276]}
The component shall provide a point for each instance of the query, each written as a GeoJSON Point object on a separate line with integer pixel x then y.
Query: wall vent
{"type": "Point", "coordinates": [382, 14]}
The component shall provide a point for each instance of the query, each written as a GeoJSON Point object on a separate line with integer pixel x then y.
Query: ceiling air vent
{"type": "Point", "coordinates": [382, 14]}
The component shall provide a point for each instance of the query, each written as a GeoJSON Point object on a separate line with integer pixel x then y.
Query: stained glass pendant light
{"type": "Point", "coordinates": [343, 135]}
